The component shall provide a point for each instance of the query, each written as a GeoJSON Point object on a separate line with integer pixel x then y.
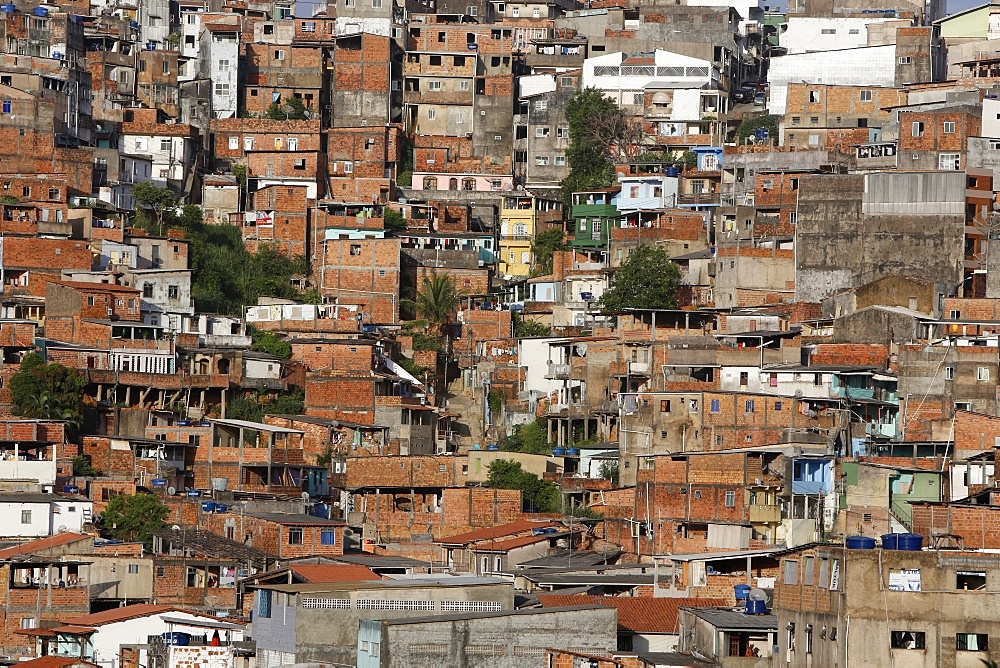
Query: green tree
{"type": "Point", "coordinates": [495, 401]}
{"type": "Point", "coordinates": [532, 438]}
{"type": "Point", "coordinates": [271, 343]}
{"type": "Point", "coordinates": [83, 468]}
{"type": "Point", "coordinates": [292, 110]}
{"type": "Point", "coordinates": [158, 200]}
{"type": "Point", "coordinates": [133, 518]}
{"type": "Point", "coordinates": [48, 392]}
{"type": "Point", "coordinates": [393, 220]}
{"type": "Point", "coordinates": [609, 471]}
{"type": "Point", "coordinates": [537, 495]}
{"type": "Point", "coordinates": [545, 244]}
{"type": "Point", "coordinates": [437, 300]}
{"type": "Point", "coordinates": [9, 199]}
{"type": "Point", "coordinates": [588, 155]}
{"type": "Point", "coordinates": [647, 280]}
{"type": "Point", "coordinates": [750, 124]}
{"type": "Point", "coordinates": [524, 327]}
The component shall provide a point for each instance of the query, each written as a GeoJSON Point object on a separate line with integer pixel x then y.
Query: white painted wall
{"type": "Point", "coordinates": [867, 66]}
{"type": "Point", "coordinates": [110, 637]}
{"type": "Point", "coordinates": [806, 34]}
{"type": "Point", "coordinates": [991, 118]}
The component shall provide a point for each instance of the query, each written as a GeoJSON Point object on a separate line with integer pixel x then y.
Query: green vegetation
{"type": "Point", "coordinates": [750, 124]}
{"type": "Point", "coordinates": [292, 110]}
{"type": "Point", "coordinates": [9, 199]}
{"type": "Point", "coordinates": [412, 368]}
{"type": "Point", "coordinates": [422, 342]}
{"type": "Point", "coordinates": [537, 495]}
{"type": "Point", "coordinates": [609, 471]}
{"type": "Point", "coordinates": [647, 280]}
{"type": "Point", "coordinates": [532, 438]}
{"type": "Point", "coordinates": [544, 245]}
{"type": "Point", "coordinates": [48, 392]}
{"type": "Point", "coordinates": [83, 468]}
{"type": "Point", "coordinates": [254, 408]}
{"type": "Point", "coordinates": [225, 277]}
{"type": "Point", "coordinates": [525, 328]}
{"type": "Point", "coordinates": [133, 518]}
{"type": "Point", "coordinates": [272, 344]}
{"type": "Point", "coordinates": [437, 300]}
{"type": "Point", "coordinates": [393, 220]}
{"type": "Point", "coordinates": [495, 401]}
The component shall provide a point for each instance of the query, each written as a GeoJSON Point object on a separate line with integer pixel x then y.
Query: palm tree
{"type": "Point", "coordinates": [437, 300]}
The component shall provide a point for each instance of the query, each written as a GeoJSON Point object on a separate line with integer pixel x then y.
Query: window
{"type": "Point", "coordinates": [972, 642]}
{"type": "Point", "coordinates": [949, 373]}
{"type": "Point", "coordinates": [664, 405]}
{"type": "Point", "coordinates": [565, 82]}
{"type": "Point", "coordinates": [917, 129]}
{"type": "Point", "coordinates": [948, 127]}
{"type": "Point", "coordinates": [53, 193]}
{"type": "Point", "coordinates": [795, 120]}
{"type": "Point", "coordinates": [907, 640]}
{"type": "Point", "coordinates": [715, 406]}
{"type": "Point", "coordinates": [459, 118]}
{"type": "Point", "coordinates": [224, 65]}
{"type": "Point", "coordinates": [264, 603]}
{"type": "Point", "coordinates": [328, 537]}
{"type": "Point", "coordinates": [808, 570]}
{"type": "Point", "coordinates": [905, 60]}
{"type": "Point", "coordinates": [866, 96]}
{"type": "Point", "coordinates": [562, 132]}
{"type": "Point", "coordinates": [133, 569]}
{"type": "Point", "coordinates": [295, 536]}
{"type": "Point", "coordinates": [165, 144]}
{"type": "Point", "coordinates": [970, 580]}
{"type": "Point", "coordinates": [355, 249]}
{"type": "Point", "coordinates": [221, 88]}
{"type": "Point", "coordinates": [147, 290]}
{"type": "Point", "coordinates": [172, 292]}
{"type": "Point", "coordinates": [279, 54]}
{"type": "Point", "coordinates": [949, 161]}
{"type": "Point", "coordinates": [434, 85]}
{"type": "Point", "coordinates": [308, 26]}
{"type": "Point", "coordinates": [748, 408]}
{"type": "Point", "coordinates": [982, 373]}
{"type": "Point", "coordinates": [431, 114]}
{"type": "Point", "coordinates": [248, 143]}
{"type": "Point", "coordinates": [234, 143]}
{"type": "Point", "coordinates": [161, 571]}
{"type": "Point", "coordinates": [541, 160]}
{"type": "Point", "coordinates": [541, 132]}
{"type": "Point", "coordinates": [25, 517]}
{"type": "Point", "coordinates": [828, 31]}
{"type": "Point", "coordinates": [791, 572]}
{"type": "Point", "coordinates": [730, 499]}
{"type": "Point", "coordinates": [27, 622]}
{"type": "Point", "coordinates": [560, 160]}
{"type": "Point", "coordinates": [777, 406]}
{"type": "Point", "coordinates": [7, 106]}
{"type": "Point", "coordinates": [541, 105]}
{"type": "Point", "coordinates": [463, 86]}
{"type": "Point", "coordinates": [814, 96]}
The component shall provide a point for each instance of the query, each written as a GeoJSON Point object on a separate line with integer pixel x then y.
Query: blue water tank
{"type": "Point", "coordinates": [158, 482]}
{"type": "Point", "coordinates": [10, 9]}
{"type": "Point", "coordinates": [40, 11]}
{"type": "Point", "coordinates": [184, 423]}
{"type": "Point", "coordinates": [912, 542]}
{"type": "Point", "coordinates": [221, 508]}
{"type": "Point", "coordinates": [193, 493]}
{"type": "Point", "coordinates": [492, 448]}
{"type": "Point", "coordinates": [890, 541]}
{"type": "Point", "coordinates": [208, 506]}
{"type": "Point", "coordinates": [670, 171]}
{"type": "Point", "coordinates": [860, 543]}
{"type": "Point", "coordinates": [755, 607]}
{"type": "Point", "coordinates": [742, 592]}
{"type": "Point", "coordinates": [572, 452]}
{"type": "Point", "coordinates": [558, 452]}
{"type": "Point", "coordinates": [177, 638]}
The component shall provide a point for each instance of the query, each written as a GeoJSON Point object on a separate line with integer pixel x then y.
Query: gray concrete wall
{"type": "Point", "coordinates": [853, 229]}
{"type": "Point", "coordinates": [507, 641]}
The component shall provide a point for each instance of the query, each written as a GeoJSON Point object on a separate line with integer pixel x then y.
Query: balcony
{"type": "Point", "coordinates": [698, 198]}
{"type": "Point", "coordinates": [608, 407]}
{"type": "Point", "coordinates": [569, 411]}
{"type": "Point", "coordinates": [638, 368]}
{"type": "Point", "coordinates": [765, 514]}
{"type": "Point", "coordinates": [558, 372]}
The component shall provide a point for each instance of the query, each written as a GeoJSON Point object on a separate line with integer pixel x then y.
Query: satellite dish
{"type": "Point", "coordinates": [798, 394]}
{"type": "Point", "coordinates": [757, 594]}
{"type": "Point", "coordinates": [176, 527]}
{"type": "Point", "coordinates": [62, 527]}
{"type": "Point", "coordinates": [171, 491]}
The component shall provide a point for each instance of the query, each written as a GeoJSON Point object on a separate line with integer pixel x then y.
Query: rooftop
{"type": "Point", "coordinates": [636, 614]}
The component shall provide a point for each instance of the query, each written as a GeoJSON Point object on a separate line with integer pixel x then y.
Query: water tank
{"type": "Point", "coordinates": [40, 11]}
{"type": "Point", "coordinates": [755, 607]}
{"type": "Point", "coordinates": [221, 508]}
{"type": "Point", "coordinates": [10, 9]}
{"type": "Point", "coordinates": [177, 638]}
{"type": "Point", "coordinates": [492, 448]}
{"type": "Point", "coordinates": [184, 423]}
{"type": "Point", "coordinates": [558, 452]}
{"type": "Point", "coordinates": [912, 542]}
{"type": "Point", "coordinates": [220, 484]}
{"type": "Point", "coordinates": [193, 493]}
{"type": "Point", "coordinates": [208, 506]}
{"type": "Point", "coordinates": [158, 482]}
{"type": "Point", "coordinates": [572, 452]}
{"type": "Point", "coordinates": [890, 541]}
{"type": "Point", "coordinates": [859, 543]}
{"type": "Point", "coordinates": [71, 489]}
{"type": "Point", "coordinates": [741, 591]}
{"type": "Point", "coordinates": [670, 171]}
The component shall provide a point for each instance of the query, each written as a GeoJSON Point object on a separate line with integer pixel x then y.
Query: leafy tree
{"type": "Point", "coordinates": [393, 220]}
{"type": "Point", "coordinates": [158, 200]}
{"type": "Point", "coordinates": [647, 280]}
{"type": "Point", "coordinates": [524, 328]}
{"type": "Point", "coordinates": [532, 438]}
{"type": "Point", "coordinates": [83, 468]}
{"type": "Point", "coordinates": [253, 408]}
{"type": "Point", "coordinates": [412, 367]}
{"type": "Point", "coordinates": [271, 343]}
{"type": "Point", "coordinates": [133, 518]}
{"type": "Point", "coordinates": [293, 110]}
{"type": "Point", "coordinates": [545, 244]}
{"type": "Point", "coordinates": [495, 401]}
{"type": "Point", "coordinates": [588, 156]}
{"type": "Point", "coordinates": [423, 342]}
{"type": "Point", "coordinates": [750, 124]}
{"type": "Point", "coordinates": [609, 471]}
{"type": "Point", "coordinates": [48, 392]}
{"type": "Point", "coordinates": [437, 300]}
{"type": "Point", "coordinates": [537, 495]}
{"type": "Point", "coordinates": [9, 199]}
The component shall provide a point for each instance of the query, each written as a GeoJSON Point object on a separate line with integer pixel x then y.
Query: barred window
{"type": "Point", "coordinates": [470, 606]}
{"type": "Point", "coordinates": [326, 603]}
{"type": "Point", "coordinates": [368, 604]}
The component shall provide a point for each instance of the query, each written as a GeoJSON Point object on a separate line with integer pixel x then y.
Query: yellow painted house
{"type": "Point", "coordinates": [521, 215]}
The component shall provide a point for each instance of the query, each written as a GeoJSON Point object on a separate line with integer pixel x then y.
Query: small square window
{"type": "Point", "coordinates": [295, 536]}
{"type": "Point", "coordinates": [982, 373]}
{"type": "Point", "coordinates": [948, 127]}
{"type": "Point", "coordinates": [866, 96]}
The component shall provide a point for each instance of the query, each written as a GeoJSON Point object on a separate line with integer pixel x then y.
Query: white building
{"type": "Point", "coordinates": [624, 78]}
{"type": "Point", "coordinates": [807, 34]}
{"type": "Point", "coordinates": [154, 23]}
{"type": "Point", "coordinates": [131, 169]}
{"type": "Point", "coordinates": [220, 55]}
{"type": "Point", "coordinates": [166, 296]}
{"type": "Point", "coordinates": [643, 192]}
{"type": "Point", "coordinates": [169, 155]}
{"type": "Point", "coordinates": [190, 30]}
{"type": "Point", "coordinates": [40, 515]}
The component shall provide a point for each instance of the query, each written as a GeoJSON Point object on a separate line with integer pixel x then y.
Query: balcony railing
{"type": "Point", "coordinates": [558, 371]}
{"type": "Point", "coordinates": [698, 198]}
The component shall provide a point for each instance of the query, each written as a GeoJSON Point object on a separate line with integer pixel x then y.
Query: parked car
{"type": "Point", "coordinates": [759, 99]}
{"type": "Point", "coordinates": [742, 95]}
